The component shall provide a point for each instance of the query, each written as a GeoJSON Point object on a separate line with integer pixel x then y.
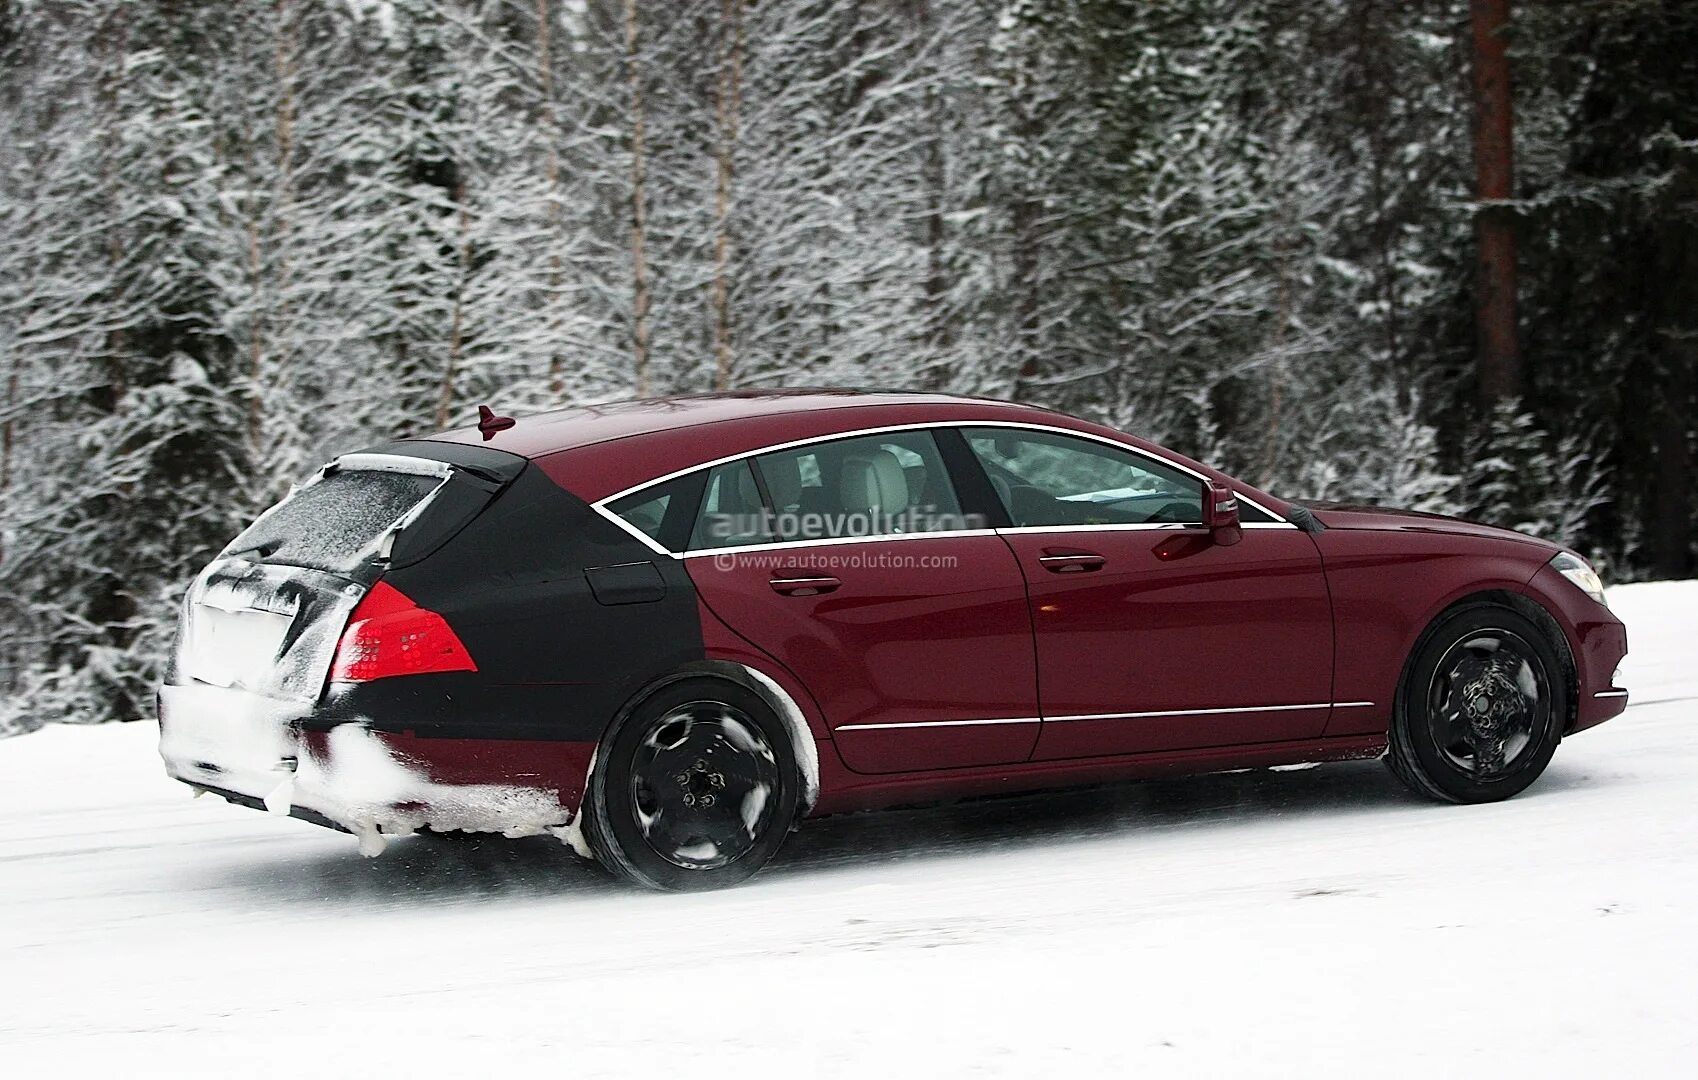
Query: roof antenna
{"type": "Point", "coordinates": [489, 423]}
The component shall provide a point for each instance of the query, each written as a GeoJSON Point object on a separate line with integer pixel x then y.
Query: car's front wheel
{"type": "Point", "coordinates": [696, 788]}
{"type": "Point", "coordinates": [1481, 708]}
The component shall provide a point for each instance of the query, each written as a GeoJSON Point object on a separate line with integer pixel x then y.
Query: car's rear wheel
{"type": "Point", "coordinates": [695, 788]}
{"type": "Point", "coordinates": [1481, 708]}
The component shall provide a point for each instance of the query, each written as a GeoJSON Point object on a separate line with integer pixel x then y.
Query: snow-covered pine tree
{"type": "Point", "coordinates": [1520, 477]}
{"type": "Point", "coordinates": [132, 442]}
{"type": "Point", "coordinates": [233, 245]}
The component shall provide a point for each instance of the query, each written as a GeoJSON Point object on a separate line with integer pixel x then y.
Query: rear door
{"type": "Point", "coordinates": [1150, 636]}
{"type": "Point", "coordinates": [850, 562]}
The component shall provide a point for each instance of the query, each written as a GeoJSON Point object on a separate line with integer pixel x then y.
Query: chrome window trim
{"type": "Point", "coordinates": [1142, 526]}
{"type": "Point", "coordinates": [828, 541]}
{"type": "Point", "coordinates": [1151, 526]}
{"type": "Point", "coordinates": [600, 506]}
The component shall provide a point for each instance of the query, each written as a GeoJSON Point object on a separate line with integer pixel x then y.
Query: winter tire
{"type": "Point", "coordinates": [1481, 707]}
{"type": "Point", "coordinates": [694, 789]}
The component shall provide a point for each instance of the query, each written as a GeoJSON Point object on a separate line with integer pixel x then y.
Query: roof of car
{"type": "Point", "coordinates": [598, 451]}
{"type": "Point", "coordinates": [565, 429]}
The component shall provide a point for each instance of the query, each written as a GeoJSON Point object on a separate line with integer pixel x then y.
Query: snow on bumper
{"type": "Point", "coordinates": [232, 741]}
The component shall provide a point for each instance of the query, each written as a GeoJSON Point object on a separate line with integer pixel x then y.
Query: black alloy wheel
{"type": "Point", "coordinates": [702, 785]}
{"type": "Point", "coordinates": [695, 788]}
{"type": "Point", "coordinates": [1482, 706]}
{"type": "Point", "coordinates": [1487, 698]}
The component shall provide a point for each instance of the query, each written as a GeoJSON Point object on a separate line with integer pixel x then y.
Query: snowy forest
{"type": "Point", "coordinates": [239, 237]}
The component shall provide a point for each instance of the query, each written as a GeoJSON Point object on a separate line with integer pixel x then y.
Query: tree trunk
{"type": "Point", "coordinates": [728, 103]}
{"type": "Point", "coordinates": [1373, 42]}
{"type": "Point", "coordinates": [937, 283]}
{"type": "Point", "coordinates": [1027, 302]}
{"type": "Point", "coordinates": [112, 606]}
{"type": "Point", "coordinates": [7, 434]}
{"type": "Point", "coordinates": [936, 329]}
{"type": "Point", "coordinates": [456, 329]}
{"type": "Point", "coordinates": [639, 207]}
{"type": "Point", "coordinates": [1497, 352]}
{"type": "Point", "coordinates": [1282, 324]}
{"type": "Point", "coordinates": [120, 49]}
{"type": "Point", "coordinates": [1671, 508]}
{"type": "Point", "coordinates": [551, 176]}
{"type": "Point", "coordinates": [1670, 519]}
{"type": "Point", "coordinates": [283, 70]}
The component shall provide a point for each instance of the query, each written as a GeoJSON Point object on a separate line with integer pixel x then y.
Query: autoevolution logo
{"type": "Point", "coordinates": [787, 526]}
{"type": "Point", "coordinates": [826, 561]}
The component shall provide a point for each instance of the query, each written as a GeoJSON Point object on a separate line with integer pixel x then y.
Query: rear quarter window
{"type": "Point", "coordinates": [665, 513]}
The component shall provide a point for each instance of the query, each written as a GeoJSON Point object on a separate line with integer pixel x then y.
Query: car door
{"type": "Point", "coordinates": [909, 626]}
{"type": "Point", "coordinates": [1150, 636]}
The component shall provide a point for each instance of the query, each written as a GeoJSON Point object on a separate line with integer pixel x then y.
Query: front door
{"type": "Point", "coordinates": [1150, 636]}
{"type": "Point", "coordinates": [909, 627]}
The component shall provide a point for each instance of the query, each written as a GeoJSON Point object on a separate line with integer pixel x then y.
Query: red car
{"type": "Point", "coordinates": [666, 630]}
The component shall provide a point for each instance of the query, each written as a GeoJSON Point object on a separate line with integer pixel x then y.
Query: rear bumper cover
{"type": "Point", "coordinates": [266, 753]}
{"type": "Point", "coordinates": [252, 803]}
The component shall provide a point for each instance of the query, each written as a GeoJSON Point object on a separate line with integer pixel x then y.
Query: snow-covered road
{"type": "Point", "coordinates": [1299, 922]}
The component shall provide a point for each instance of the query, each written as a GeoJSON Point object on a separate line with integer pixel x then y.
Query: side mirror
{"type": "Point", "coordinates": [1220, 515]}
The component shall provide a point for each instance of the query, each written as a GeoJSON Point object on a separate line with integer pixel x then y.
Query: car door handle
{"type": "Point", "coordinates": [804, 586]}
{"type": "Point", "coordinates": [1072, 562]}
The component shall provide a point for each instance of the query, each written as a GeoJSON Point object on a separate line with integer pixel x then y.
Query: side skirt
{"type": "Point", "coordinates": [842, 790]}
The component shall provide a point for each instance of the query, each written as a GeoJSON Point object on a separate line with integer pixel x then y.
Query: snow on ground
{"type": "Point", "coordinates": [1300, 922]}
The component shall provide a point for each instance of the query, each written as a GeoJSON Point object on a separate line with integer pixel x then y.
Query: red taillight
{"type": "Point", "coordinates": [389, 635]}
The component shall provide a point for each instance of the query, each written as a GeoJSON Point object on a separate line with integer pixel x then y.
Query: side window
{"type": "Point", "coordinates": [869, 485]}
{"type": "Point", "coordinates": [665, 513]}
{"type": "Point", "coordinates": [1048, 479]}
{"type": "Point", "coordinates": [732, 513]}
{"type": "Point", "coordinates": [646, 516]}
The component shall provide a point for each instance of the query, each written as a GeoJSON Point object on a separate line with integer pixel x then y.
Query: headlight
{"type": "Point", "coordinates": [1580, 572]}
